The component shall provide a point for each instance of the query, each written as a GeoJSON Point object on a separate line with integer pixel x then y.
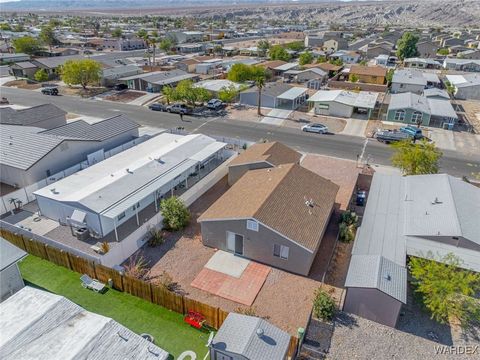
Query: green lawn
{"type": "Point", "coordinates": [140, 316]}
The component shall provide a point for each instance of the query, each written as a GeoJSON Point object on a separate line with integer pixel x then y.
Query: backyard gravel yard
{"type": "Point", "coordinates": [285, 299]}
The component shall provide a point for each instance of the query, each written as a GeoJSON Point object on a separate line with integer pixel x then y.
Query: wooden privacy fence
{"type": "Point", "coordinates": [214, 316]}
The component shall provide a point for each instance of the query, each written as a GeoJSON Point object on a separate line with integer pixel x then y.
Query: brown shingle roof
{"type": "Point", "coordinates": [272, 64]}
{"type": "Point", "coordinates": [273, 152]}
{"type": "Point", "coordinates": [277, 198]}
{"type": "Point", "coordinates": [368, 70]}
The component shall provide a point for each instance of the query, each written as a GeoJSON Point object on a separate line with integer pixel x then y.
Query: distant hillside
{"type": "Point", "coordinates": [419, 13]}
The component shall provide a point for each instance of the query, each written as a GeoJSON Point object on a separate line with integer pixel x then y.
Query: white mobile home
{"type": "Point", "coordinates": [107, 194]}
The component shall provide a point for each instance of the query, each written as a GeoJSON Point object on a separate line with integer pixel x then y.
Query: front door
{"type": "Point", "coordinates": [235, 243]}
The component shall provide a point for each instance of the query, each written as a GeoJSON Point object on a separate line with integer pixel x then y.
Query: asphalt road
{"type": "Point", "coordinates": [342, 146]}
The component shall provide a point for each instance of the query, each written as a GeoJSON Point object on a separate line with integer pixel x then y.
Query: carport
{"type": "Point", "coordinates": [292, 98]}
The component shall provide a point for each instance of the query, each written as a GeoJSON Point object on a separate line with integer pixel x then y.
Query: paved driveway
{"type": "Point", "coordinates": [463, 142]}
{"type": "Point", "coordinates": [355, 127]}
{"type": "Point", "coordinates": [276, 117]}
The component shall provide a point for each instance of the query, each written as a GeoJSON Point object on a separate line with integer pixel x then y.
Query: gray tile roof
{"type": "Point", "coordinates": [30, 116]}
{"type": "Point", "coordinates": [55, 61]}
{"type": "Point", "coordinates": [98, 131]}
{"type": "Point", "coordinates": [9, 254]}
{"type": "Point", "coordinates": [22, 147]}
{"type": "Point", "coordinates": [238, 335]}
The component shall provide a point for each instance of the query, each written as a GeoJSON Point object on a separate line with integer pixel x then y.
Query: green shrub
{"type": "Point", "coordinates": [175, 214]}
{"type": "Point", "coordinates": [323, 306]}
{"type": "Point", "coordinates": [157, 237]}
{"type": "Point", "coordinates": [347, 232]}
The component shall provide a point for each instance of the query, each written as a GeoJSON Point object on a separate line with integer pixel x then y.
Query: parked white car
{"type": "Point", "coordinates": [315, 128]}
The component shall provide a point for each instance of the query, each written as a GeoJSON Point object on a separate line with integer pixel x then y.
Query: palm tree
{"type": "Point", "coordinates": [260, 77]}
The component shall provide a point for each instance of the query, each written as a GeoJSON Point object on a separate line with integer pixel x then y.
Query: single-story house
{"type": "Point", "coordinates": [422, 63]}
{"type": "Point", "coordinates": [420, 216]}
{"type": "Point", "coordinates": [413, 80]}
{"type": "Point", "coordinates": [208, 66]}
{"type": "Point", "coordinates": [36, 323]}
{"type": "Point", "coordinates": [466, 86]}
{"type": "Point", "coordinates": [46, 116]}
{"type": "Point", "coordinates": [427, 48]}
{"type": "Point", "coordinates": [214, 86]}
{"type": "Point", "coordinates": [23, 69]}
{"type": "Point", "coordinates": [469, 54]}
{"type": "Point", "coordinates": [347, 57]}
{"type": "Point", "coordinates": [10, 278]}
{"type": "Point", "coordinates": [261, 156]}
{"type": "Point", "coordinates": [411, 108]}
{"type": "Point", "coordinates": [111, 75]}
{"type": "Point", "coordinates": [190, 48]}
{"type": "Point", "coordinates": [275, 95]}
{"type": "Point", "coordinates": [187, 65]}
{"type": "Point", "coordinates": [331, 69]}
{"type": "Point", "coordinates": [107, 194]}
{"type": "Point", "coordinates": [369, 74]}
{"type": "Point", "coordinates": [57, 51]}
{"type": "Point", "coordinates": [31, 154]}
{"type": "Point", "coordinates": [461, 64]}
{"type": "Point", "coordinates": [7, 58]}
{"type": "Point", "coordinates": [342, 103]}
{"type": "Point", "coordinates": [155, 81]}
{"type": "Point", "coordinates": [243, 337]}
{"type": "Point", "coordinates": [51, 64]}
{"type": "Point", "coordinates": [279, 70]}
{"type": "Point", "coordinates": [276, 216]}
{"type": "Point", "coordinates": [312, 78]}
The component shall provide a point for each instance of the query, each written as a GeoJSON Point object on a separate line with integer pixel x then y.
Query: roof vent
{"type": "Point", "coordinates": [388, 277]}
{"type": "Point", "coordinates": [129, 171]}
{"type": "Point", "coordinates": [260, 332]}
{"type": "Point", "coordinates": [53, 191]}
{"type": "Point", "coordinates": [436, 201]}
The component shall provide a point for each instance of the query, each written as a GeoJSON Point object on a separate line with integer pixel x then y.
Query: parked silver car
{"type": "Point", "coordinates": [315, 128]}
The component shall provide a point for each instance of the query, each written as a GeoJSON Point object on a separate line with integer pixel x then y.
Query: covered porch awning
{"type": "Point", "coordinates": [293, 93]}
{"type": "Point", "coordinates": [169, 176]}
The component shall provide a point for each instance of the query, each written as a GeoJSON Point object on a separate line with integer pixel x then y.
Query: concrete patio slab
{"type": "Point", "coordinates": [227, 263]}
{"type": "Point", "coordinates": [242, 290]}
{"type": "Point", "coordinates": [38, 224]}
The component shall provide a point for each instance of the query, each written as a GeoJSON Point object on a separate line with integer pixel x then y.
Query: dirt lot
{"type": "Point", "coordinates": [125, 96]}
{"type": "Point", "coordinates": [23, 84]}
{"type": "Point", "coordinates": [272, 41]}
{"type": "Point", "coordinates": [373, 125]}
{"type": "Point", "coordinates": [79, 91]}
{"type": "Point", "coordinates": [285, 299]}
{"type": "Point", "coordinates": [472, 112]}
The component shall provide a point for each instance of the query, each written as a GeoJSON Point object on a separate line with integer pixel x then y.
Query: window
{"type": "Point", "coordinates": [281, 251]}
{"type": "Point", "coordinates": [136, 206]}
{"type": "Point", "coordinates": [400, 115]}
{"type": "Point", "coordinates": [121, 215]}
{"type": "Point", "coordinates": [252, 225]}
{"type": "Point", "coordinates": [417, 117]}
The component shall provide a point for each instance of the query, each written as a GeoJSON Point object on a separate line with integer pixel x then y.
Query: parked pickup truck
{"type": "Point", "coordinates": [388, 136]}
{"type": "Point", "coordinates": [414, 132]}
{"type": "Point", "coordinates": [178, 109]}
